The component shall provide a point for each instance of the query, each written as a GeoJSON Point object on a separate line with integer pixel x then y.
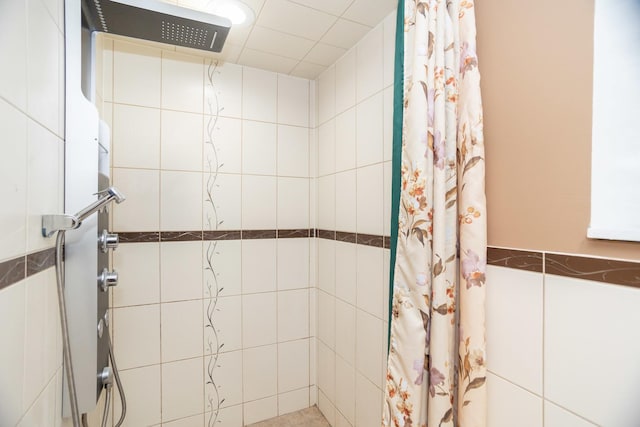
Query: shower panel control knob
{"type": "Point", "coordinates": [108, 241]}
{"type": "Point", "coordinates": [107, 278]}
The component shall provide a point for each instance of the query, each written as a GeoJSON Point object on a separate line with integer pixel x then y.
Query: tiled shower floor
{"type": "Point", "coordinates": [310, 417]}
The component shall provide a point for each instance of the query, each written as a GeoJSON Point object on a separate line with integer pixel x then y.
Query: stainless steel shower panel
{"type": "Point", "coordinates": [157, 21]}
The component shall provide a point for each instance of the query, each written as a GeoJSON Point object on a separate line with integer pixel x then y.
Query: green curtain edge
{"type": "Point", "coordinates": [396, 161]}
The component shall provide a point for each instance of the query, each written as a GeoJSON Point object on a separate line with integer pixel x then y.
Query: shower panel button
{"type": "Point", "coordinates": [107, 278]}
{"type": "Point", "coordinates": [108, 241]}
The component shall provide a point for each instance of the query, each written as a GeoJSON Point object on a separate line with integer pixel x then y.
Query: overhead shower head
{"type": "Point", "coordinates": [156, 21]}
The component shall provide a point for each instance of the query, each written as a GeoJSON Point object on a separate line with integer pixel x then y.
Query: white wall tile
{"type": "Point", "coordinates": [141, 211]}
{"type": "Point", "coordinates": [226, 136]}
{"type": "Point", "coordinates": [42, 54]}
{"type": "Point", "coordinates": [142, 386]}
{"type": "Point", "coordinates": [346, 140]}
{"type": "Point", "coordinates": [223, 89]}
{"type": "Point", "coordinates": [293, 365]}
{"type": "Point", "coordinates": [259, 95]}
{"type": "Point", "coordinates": [181, 141]}
{"type": "Point", "coordinates": [136, 335]}
{"type": "Point", "coordinates": [181, 330]}
{"type": "Point", "coordinates": [182, 82]}
{"type": "Point", "coordinates": [293, 101]}
{"type": "Point", "coordinates": [369, 64]}
{"type": "Point", "coordinates": [260, 410]}
{"type": "Point", "coordinates": [293, 203]}
{"type": "Point", "coordinates": [13, 44]}
{"type": "Point", "coordinates": [327, 202]}
{"type": "Point", "coordinates": [222, 324]}
{"type": "Point", "coordinates": [293, 315]}
{"type": "Point", "coordinates": [387, 124]}
{"type": "Point", "coordinates": [387, 176]}
{"type": "Point", "coordinates": [259, 202]}
{"type": "Point", "coordinates": [514, 319]}
{"type": "Point", "coordinates": [509, 405]}
{"type": "Point", "coordinates": [138, 266]}
{"type": "Point", "coordinates": [194, 421]}
{"type": "Point", "coordinates": [368, 344]}
{"type": "Point", "coordinates": [293, 401]}
{"type": "Point", "coordinates": [227, 374]}
{"type": "Point", "coordinates": [346, 201]}
{"type": "Point", "coordinates": [259, 148]}
{"type": "Point", "coordinates": [370, 203]}
{"type": "Point", "coordinates": [258, 266]}
{"type": "Point", "coordinates": [260, 372]}
{"type": "Point", "coordinates": [370, 280]}
{"type": "Point", "coordinates": [555, 416]}
{"type": "Point", "coordinates": [293, 263]}
{"type": "Point", "coordinates": [327, 319]}
{"type": "Point", "coordinates": [327, 148]}
{"type": "Point", "coordinates": [326, 373]}
{"type": "Point", "coordinates": [327, 265]}
{"type": "Point", "coordinates": [388, 52]}
{"type": "Point", "coordinates": [327, 95]}
{"type": "Point", "coordinates": [346, 268]}
{"type": "Point", "coordinates": [12, 361]}
{"type": "Point", "coordinates": [293, 151]}
{"type": "Point", "coordinates": [346, 390]}
{"type": "Point", "coordinates": [341, 421]}
{"type": "Point", "coordinates": [368, 402]}
{"type": "Point", "coordinates": [229, 416]}
{"type": "Point", "coordinates": [259, 325]}
{"type": "Point", "coordinates": [346, 332]}
{"type": "Point", "coordinates": [182, 385]}
{"type": "Point", "coordinates": [44, 188]}
{"type": "Point", "coordinates": [346, 81]}
{"type": "Point", "coordinates": [224, 258]}
{"type": "Point", "coordinates": [180, 201]}
{"type": "Point", "coordinates": [572, 331]}
{"type": "Point", "coordinates": [136, 74]}
{"type": "Point", "coordinates": [43, 410]}
{"type": "Point", "coordinates": [13, 179]}
{"type": "Point", "coordinates": [222, 201]}
{"type": "Point", "coordinates": [369, 130]}
{"type": "Point", "coordinates": [180, 271]}
{"type": "Point", "coordinates": [135, 137]}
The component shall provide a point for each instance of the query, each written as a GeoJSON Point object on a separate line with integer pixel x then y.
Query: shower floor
{"type": "Point", "coordinates": [310, 417]}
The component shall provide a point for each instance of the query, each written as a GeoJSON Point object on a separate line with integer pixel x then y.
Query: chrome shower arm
{"type": "Point", "coordinates": [53, 223]}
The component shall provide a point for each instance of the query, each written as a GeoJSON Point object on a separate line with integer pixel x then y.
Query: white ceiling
{"type": "Point", "coordinates": [299, 37]}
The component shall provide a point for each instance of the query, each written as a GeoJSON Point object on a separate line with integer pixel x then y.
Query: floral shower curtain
{"type": "Point", "coordinates": [436, 367]}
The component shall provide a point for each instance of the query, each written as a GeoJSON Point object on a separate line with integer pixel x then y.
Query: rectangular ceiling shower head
{"type": "Point", "coordinates": [156, 21]}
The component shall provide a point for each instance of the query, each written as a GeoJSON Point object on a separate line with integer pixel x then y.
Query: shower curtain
{"type": "Point", "coordinates": [436, 365]}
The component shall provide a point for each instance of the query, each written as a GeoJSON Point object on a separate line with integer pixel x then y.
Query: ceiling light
{"type": "Point", "coordinates": [236, 11]}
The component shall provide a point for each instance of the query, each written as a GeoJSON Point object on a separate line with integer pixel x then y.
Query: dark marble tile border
{"type": "Point", "coordinates": [624, 273]}
{"type": "Point", "coordinates": [357, 238]}
{"type": "Point", "coordinates": [370, 240]}
{"type": "Point", "coordinates": [139, 237]}
{"type": "Point", "coordinates": [259, 234]}
{"type": "Point", "coordinates": [521, 260]}
{"type": "Point", "coordinates": [295, 233]}
{"type": "Point", "coordinates": [343, 236]}
{"type": "Point", "coordinates": [222, 235]}
{"type": "Point", "coordinates": [326, 234]}
{"type": "Point", "coordinates": [180, 236]}
{"type": "Point", "coordinates": [12, 271]}
{"type": "Point", "coordinates": [40, 261]}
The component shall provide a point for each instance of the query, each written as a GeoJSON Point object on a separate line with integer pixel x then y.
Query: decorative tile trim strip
{"type": "Point", "coordinates": [387, 242]}
{"type": "Point", "coordinates": [343, 236]}
{"type": "Point", "coordinates": [139, 237]}
{"type": "Point", "coordinates": [370, 240]}
{"type": "Point", "coordinates": [12, 271]}
{"type": "Point", "coordinates": [598, 269]}
{"type": "Point", "coordinates": [295, 233]}
{"type": "Point", "coordinates": [221, 235]}
{"type": "Point", "coordinates": [259, 234]}
{"type": "Point", "coordinates": [180, 236]}
{"type": "Point", "coordinates": [511, 258]}
{"type": "Point", "coordinates": [326, 234]}
{"type": "Point", "coordinates": [40, 261]}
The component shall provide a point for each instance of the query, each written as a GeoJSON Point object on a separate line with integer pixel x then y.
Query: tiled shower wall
{"type": "Point", "coordinates": [212, 313]}
{"type": "Point", "coordinates": [355, 101]}
{"type": "Point", "coordinates": [31, 184]}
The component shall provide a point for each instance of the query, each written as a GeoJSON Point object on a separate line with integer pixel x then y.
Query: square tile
{"type": "Point", "coordinates": [135, 137]}
{"type": "Point", "coordinates": [293, 365]}
{"type": "Point", "coordinates": [181, 330]}
{"type": "Point", "coordinates": [369, 13]}
{"type": "Point", "coordinates": [514, 325]}
{"type": "Point", "coordinates": [293, 315]}
{"type": "Point", "coordinates": [369, 130]}
{"type": "Point", "coordinates": [259, 95]}
{"type": "Point", "coordinates": [278, 43]}
{"type": "Point", "coordinates": [181, 201]}
{"type": "Point", "coordinates": [182, 385]}
{"type": "Point", "coordinates": [346, 201]}
{"type": "Point", "coordinates": [136, 74]}
{"type": "Point", "coordinates": [293, 203]}
{"type": "Point", "coordinates": [509, 405]}
{"type": "Point", "coordinates": [136, 335]}
{"type": "Point", "coordinates": [259, 144]}
{"type": "Point", "coordinates": [259, 320]}
{"type": "Point", "coordinates": [141, 211]}
{"type": "Point", "coordinates": [181, 141]}
{"type": "Point", "coordinates": [369, 64]}
{"type": "Point", "coordinates": [293, 263]}
{"type": "Point", "coordinates": [258, 266]}
{"type": "Point", "coordinates": [307, 70]}
{"type": "Point", "coordinates": [260, 60]}
{"type": "Point", "coordinates": [369, 342]}
{"type": "Point", "coordinates": [346, 333]}
{"type": "Point", "coordinates": [293, 151]}
{"type": "Point", "coordinates": [345, 33]}
{"type": "Point", "coordinates": [260, 377]}
{"type": "Point", "coordinates": [180, 271]}
{"type": "Point", "coordinates": [293, 101]}
{"type": "Point", "coordinates": [182, 82]}
{"type": "Point", "coordinates": [370, 199]}
{"type": "Point", "coordinates": [346, 140]}
{"type": "Point", "coordinates": [142, 386]}
{"type": "Point", "coordinates": [259, 202]}
{"type": "Point", "coordinates": [222, 324]}
{"type": "Point", "coordinates": [324, 54]}
{"type": "Point", "coordinates": [295, 19]}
